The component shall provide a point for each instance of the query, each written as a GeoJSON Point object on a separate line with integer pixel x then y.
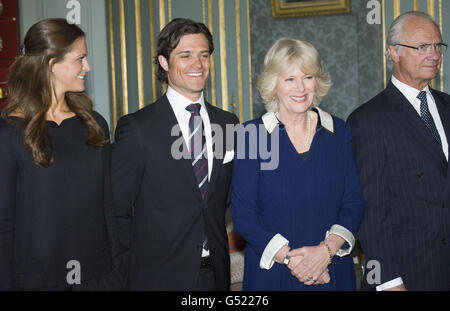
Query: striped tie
{"type": "Point", "coordinates": [197, 144]}
{"type": "Point", "coordinates": [426, 116]}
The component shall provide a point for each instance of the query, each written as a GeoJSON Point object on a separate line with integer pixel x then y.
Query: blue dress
{"type": "Point", "coordinates": [301, 199]}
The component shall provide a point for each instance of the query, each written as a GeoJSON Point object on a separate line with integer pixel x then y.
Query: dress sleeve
{"type": "Point", "coordinates": [244, 201]}
{"type": "Point", "coordinates": [8, 181]}
{"type": "Point", "coordinates": [352, 206]}
{"type": "Point", "coordinates": [102, 122]}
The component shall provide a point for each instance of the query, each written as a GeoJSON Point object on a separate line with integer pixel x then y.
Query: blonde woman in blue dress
{"type": "Point", "coordinates": [299, 219]}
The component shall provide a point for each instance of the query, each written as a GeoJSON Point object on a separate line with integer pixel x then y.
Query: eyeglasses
{"type": "Point", "coordinates": [427, 47]}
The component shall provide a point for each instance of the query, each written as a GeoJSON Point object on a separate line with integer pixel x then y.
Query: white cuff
{"type": "Point", "coordinates": [275, 244]}
{"type": "Point", "coordinates": [395, 282]}
{"type": "Point", "coordinates": [346, 235]}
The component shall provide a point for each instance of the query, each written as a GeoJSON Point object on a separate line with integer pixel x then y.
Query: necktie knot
{"type": "Point", "coordinates": [422, 96]}
{"type": "Point", "coordinates": [194, 108]}
{"type": "Point", "coordinates": [427, 117]}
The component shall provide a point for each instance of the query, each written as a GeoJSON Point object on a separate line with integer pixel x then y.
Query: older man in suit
{"type": "Point", "coordinates": [401, 144]}
{"type": "Point", "coordinates": [170, 208]}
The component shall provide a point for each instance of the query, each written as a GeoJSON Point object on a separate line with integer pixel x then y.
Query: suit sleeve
{"type": "Point", "coordinates": [235, 121]}
{"type": "Point", "coordinates": [376, 236]}
{"type": "Point", "coordinates": [8, 180]}
{"type": "Point", "coordinates": [107, 196]}
{"type": "Point", "coordinates": [127, 170]}
{"type": "Point", "coordinates": [107, 188]}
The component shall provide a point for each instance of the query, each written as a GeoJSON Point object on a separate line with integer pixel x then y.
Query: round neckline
{"type": "Point", "coordinates": [51, 122]}
{"type": "Point", "coordinates": [54, 124]}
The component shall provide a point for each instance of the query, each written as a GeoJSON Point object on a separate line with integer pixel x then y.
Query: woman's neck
{"type": "Point", "coordinates": [290, 121]}
{"type": "Point", "coordinates": [59, 110]}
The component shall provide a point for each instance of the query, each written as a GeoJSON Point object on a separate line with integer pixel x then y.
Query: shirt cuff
{"type": "Point", "coordinates": [395, 282]}
{"type": "Point", "coordinates": [275, 244]}
{"type": "Point", "coordinates": [346, 235]}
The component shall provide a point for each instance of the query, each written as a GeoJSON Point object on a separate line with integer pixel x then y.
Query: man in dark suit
{"type": "Point", "coordinates": [170, 205]}
{"type": "Point", "coordinates": [401, 144]}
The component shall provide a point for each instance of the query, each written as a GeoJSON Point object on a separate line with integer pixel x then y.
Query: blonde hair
{"type": "Point", "coordinates": [284, 53]}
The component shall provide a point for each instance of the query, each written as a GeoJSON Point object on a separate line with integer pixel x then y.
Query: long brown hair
{"type": "Point", "coordinates": [30, 90]}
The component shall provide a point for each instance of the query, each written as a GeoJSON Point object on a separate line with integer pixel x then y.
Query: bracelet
{"type": "Point", "coordinates": [330, 255]}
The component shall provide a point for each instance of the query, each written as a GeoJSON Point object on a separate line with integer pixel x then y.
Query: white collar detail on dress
{"type": "Point", "coordinates": [326, 120]}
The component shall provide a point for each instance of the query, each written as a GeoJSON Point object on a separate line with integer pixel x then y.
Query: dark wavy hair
{"type": "Point", "coordinates": [30, 88]}
{"type": "Point", "coordinates": [170, 36]}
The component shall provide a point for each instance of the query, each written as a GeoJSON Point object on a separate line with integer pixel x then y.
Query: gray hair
{"type": "Point", "coordinates": [396, 31]}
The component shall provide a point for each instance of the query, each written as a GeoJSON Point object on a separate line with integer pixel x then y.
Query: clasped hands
{"type": "Point", "coordinates": [308, 264]}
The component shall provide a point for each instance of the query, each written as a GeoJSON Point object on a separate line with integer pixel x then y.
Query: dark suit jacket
{"type": "Point", "coordinates": [161, 216]}
{"type": "Point", "coordinates": [406, 183]}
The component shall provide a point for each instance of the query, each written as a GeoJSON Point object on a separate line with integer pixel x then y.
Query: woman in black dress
{"type": "Point", "coordinates": [56, 228]}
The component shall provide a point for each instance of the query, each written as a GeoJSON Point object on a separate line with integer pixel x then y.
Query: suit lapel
{"type": "Point", "coordinates": [184, 165]}
{"type": "Point", "coordinates": [414, 125]}
{"type": "Point", "coordinates": [218, 140]}
{"type": "Point", "coordinates": [444, 112]}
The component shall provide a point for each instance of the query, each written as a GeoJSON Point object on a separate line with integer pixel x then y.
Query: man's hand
{"type": "Point", "coordinates": [398, 288]}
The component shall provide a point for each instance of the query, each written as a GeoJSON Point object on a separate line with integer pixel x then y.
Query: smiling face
{"type": "Point", "coordinates": [409, 66]}
{"type": "Point", "coordinates": [295, 91]}
{"type": "Point", "coordinates": [188, 66]}
{"type": "Point", "coordinates": [69, 74]}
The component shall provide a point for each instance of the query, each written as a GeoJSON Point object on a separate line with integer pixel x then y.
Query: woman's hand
{"type": "Point", "coordinates": [309, 263]}
{"type": "Point", "coordinates": [323, 279]}
{"type": "Point", "coordinates": [281, 254]}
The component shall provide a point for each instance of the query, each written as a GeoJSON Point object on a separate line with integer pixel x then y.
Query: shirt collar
{"type": "Point", "coordinates": [179, 101]}
{"type": "Point", "coordinates": [408, 91]}
{"type": "Point", "coordinates": [325, 120]}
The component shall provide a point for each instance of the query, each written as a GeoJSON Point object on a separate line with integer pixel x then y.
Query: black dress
{"type": "Point", "coordinates": [55, 222]}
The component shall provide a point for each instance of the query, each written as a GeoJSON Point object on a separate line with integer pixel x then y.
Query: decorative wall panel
{"type": "Point", "coordinates": [133, 30]}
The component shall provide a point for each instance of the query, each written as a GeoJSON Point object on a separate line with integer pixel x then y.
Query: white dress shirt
{"type": "Point", "coordinates": [411, 95]}
{"type": "Point", "coordinates": [179, 104]}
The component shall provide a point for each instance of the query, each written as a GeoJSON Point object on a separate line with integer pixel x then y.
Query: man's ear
{"type": "Point", "coordinates": [163, 62]}
{"type": "Point", "coordinates": [392, 50]}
